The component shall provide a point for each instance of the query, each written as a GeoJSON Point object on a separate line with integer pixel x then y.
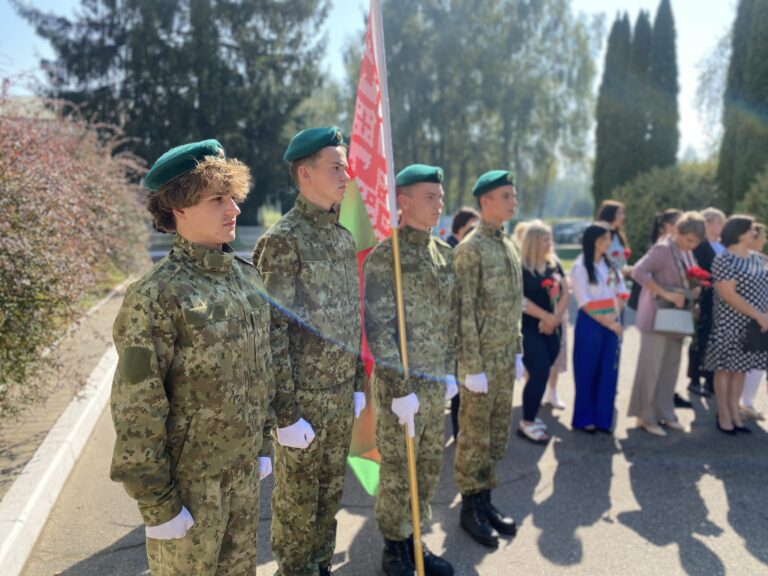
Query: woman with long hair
{"type": "Point", "coordinates": [544, 305]}
{"type": "Point", "coordinates": [612, 212]}
{"type": "Point", "coordinates": [663, 225]}
{"type": "Point", "coordinates": [741, 298]}
{"type": "Point", "coordinates": [599, 290]}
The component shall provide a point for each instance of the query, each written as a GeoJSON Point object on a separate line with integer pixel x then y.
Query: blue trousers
{"type": "Point", "coordinates": [595, 372]}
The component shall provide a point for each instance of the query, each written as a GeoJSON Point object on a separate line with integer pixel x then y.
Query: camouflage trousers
{"type": "Point", "coordinates": [308, 483]}
{"type": "Point", "coordinates": [393, 505]}
{"type": "Point", "coordinates": [225, 534]}
{"type": "Point", "coordinates": [484, 421]}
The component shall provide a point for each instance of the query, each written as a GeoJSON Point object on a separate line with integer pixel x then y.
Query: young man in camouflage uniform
{"type": "Point", "coordinates": [429, 298]}
{"type": "Point", "coordinates": [309, 265]}
{"type": "Point", "coordinates": [489, 286]}
{"type": "Point", "coordinates": [191, 393]}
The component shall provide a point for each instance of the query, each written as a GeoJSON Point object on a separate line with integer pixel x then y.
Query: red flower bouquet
{"type": "Point", "coordinates": [697, 276]}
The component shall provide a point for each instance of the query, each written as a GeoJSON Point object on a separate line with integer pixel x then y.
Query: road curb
{"type": "Point", "coordinates": [25, 508]}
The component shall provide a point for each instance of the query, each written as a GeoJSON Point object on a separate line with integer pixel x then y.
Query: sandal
{"type": "Point", "coordinates": [533, 433]}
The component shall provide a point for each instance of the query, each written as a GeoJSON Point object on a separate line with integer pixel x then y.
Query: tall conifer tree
{"type": "Point", "coordinates": [612, 157]}
{"type": "Point", "coordinates": [638, 132]}
{"type": "Point", "coordinates": [664, 134]}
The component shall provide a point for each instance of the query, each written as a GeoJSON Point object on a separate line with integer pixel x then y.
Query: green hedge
{"type": "Point", "coordinates": [685, 186]}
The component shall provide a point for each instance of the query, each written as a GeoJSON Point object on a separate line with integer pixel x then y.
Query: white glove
{"type": "Point", "coordinates": [297, 435]}
{"type": "Point", "coordinates": [265, 467]}
{"type": "Point", "coordinates": [173, 529]}
{"type": "Point", "coordinates": [451, 387]}
{"type": "Point", "coordinates": [359, 403]}
{"type": "Point", "coordinates": [477, 383]}
{"type": "Point", "coordinates": [519, 368]}
{"type": "Point", "coordinates": [405, 408]}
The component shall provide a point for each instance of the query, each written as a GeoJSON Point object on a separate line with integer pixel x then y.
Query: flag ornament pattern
{"type": "Point", "coordinates": [365, 213]}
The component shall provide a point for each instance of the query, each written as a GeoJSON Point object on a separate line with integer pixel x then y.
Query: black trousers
{"type": "Point", "coordinates": [539, 354]}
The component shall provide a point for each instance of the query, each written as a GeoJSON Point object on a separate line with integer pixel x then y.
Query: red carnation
{"type": "Point", "coordinates": [547, 283]}
{"type": "Point", "coordinates": [627, 253]}
{"type": "Point", "coordinates": [615, 253]}
{"type": "Point", "coordinates": [624, 296]}
{"type": "Point", "coordinates": [699, 277]}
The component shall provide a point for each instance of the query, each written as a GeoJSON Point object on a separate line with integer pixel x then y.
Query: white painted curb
{"type": "Point", "coordinates": [25, 508]}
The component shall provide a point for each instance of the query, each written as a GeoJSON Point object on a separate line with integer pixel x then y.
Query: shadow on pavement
{"type": "Point", "coordinates": [126, 557]}
{"type": "Point", "coordinates": [580, 493]}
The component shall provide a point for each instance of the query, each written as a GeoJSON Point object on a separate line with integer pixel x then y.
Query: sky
{"type": "Point", "coordinates": [699, 26]}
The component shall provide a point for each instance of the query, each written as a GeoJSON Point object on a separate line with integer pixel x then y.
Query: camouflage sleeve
{"type": "Point", "coordinates": [517, 293]}
{"type": "Point", "coordinates": [144, 336]}
{"type": "Point", "coordinates": [381, 322]}
{"type": "Point", "coordinates": [278, 264]}
{"type": "Point", "coordinates": [466, 264]}
{"type": "Point", "coordinates": [453, 330]}
{"type": "Point", "coordinates": [269, 424]}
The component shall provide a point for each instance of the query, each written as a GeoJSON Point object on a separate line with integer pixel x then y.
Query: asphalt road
{"type": "Point", "coordinates": [692, 503]}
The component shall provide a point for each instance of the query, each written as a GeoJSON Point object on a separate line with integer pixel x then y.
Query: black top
{"type": "Point", "coordinates": [538, 294]}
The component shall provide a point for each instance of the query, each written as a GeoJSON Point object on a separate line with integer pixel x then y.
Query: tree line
{"type": "Point", "coordinates": [474, 85]}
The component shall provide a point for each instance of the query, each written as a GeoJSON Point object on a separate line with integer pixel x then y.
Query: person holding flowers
{"type": "Point", "coordinates": [599, 291]}
{"type": "Point", "coordinates": [668, 273]}
{"type": "Point", "coordinates": [545, 301]}
{"type": "Point", "coordinates": [619, 252]}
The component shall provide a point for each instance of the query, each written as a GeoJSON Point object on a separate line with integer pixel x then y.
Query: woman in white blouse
{"type": "Point", "coordinates": [599, 291]}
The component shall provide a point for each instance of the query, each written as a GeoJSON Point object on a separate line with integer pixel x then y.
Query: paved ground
{"type": "Point", "coordinates": [692, 503]}
{"type": "Point", "coordinates": [78, 354]}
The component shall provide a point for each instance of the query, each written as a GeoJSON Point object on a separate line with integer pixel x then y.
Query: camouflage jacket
{"type": "Point", "coordinates": [490, 293]}
{"type": "Point", "coordinates": [430, 310]}
{"type": "Point", "coordinates": [309, 265]}
{"type": "Point", "coordinates": [193, 385]}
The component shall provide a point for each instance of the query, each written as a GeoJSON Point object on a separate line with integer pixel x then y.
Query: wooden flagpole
{"type": "Point", "coordinates": [381, 66]}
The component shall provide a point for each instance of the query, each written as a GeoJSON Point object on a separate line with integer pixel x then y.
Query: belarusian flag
{"type": "Point", "coordinates": [365, 213]}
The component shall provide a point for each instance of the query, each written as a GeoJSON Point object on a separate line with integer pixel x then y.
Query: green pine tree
{"type": "Point", "coordinates": [664, 134]}
{"type": "Point", "coordinates": [735, 108]}
{"type": "Point", "coordinates": [612, 156]}
{"type": "Point", "coordinates": [174, 71]}
{"type": "Point", "coordinates": [637, 135]}
{"type": "Point", "coordinates": [753, 141]}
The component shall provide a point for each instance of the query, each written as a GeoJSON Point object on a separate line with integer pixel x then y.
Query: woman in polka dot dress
{"type": "Point", "coordinates": [741, 296]}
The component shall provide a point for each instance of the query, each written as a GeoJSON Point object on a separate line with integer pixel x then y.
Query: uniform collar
{"type": "Point", "coordinates": [490, 230]}
{"type": "Point", "coordinates": [313, 213]}
{"type": "Point", "coordinates": [205, 258]}
{"type": "Point", "coordinates": [419, 237]}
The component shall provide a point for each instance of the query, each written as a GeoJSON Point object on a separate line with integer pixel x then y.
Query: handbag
{"type": "Point", "coordinates": [668, 317]}
{"type": "Point", "coordinates": [755, 340]}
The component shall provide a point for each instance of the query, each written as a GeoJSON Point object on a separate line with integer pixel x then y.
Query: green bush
{"type": "Point", "coordinates": [68, 219]}
{"type": "Point", "coordinates": [686, 186]}
{"type": "Point", "coordinates": [755, 201]}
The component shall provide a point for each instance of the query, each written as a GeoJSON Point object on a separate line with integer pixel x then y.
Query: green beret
{"type": "Point", "coordinates": [492, 180]}
{"type": "Point", "coordinates": [309, 141]}
{"type": "Point", "coordinates": [416, 173]}
{"type": "Point", "coordinates": [180, 160]}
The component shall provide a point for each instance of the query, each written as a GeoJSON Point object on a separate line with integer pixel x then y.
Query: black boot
{"type": "Point", "coordinates": [503, 524]}
{"type": "Point", "coordinates": [396, 560]}
{"type": "Point", "coordinates": [433, 564]}
{"type": "Point", "coordinates": [475, 522]}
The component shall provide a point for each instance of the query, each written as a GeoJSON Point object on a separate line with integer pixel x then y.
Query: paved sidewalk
{"type": "Point", "coordinates": [80, 351]}
{"type": "Point", "coordinates": [692, 503]}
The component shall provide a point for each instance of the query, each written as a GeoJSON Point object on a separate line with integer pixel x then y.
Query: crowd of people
{"type": "Point", "coordinates": [219, 356]}
{"type": "Point", "coordinates": [703, 277]}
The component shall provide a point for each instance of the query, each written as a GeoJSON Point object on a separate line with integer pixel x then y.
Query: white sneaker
{"type": "Point", "coordinates": [553, 399]}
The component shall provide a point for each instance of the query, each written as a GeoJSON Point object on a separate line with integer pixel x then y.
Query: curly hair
{"type": "Point", "coordinates": [212, 175]}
